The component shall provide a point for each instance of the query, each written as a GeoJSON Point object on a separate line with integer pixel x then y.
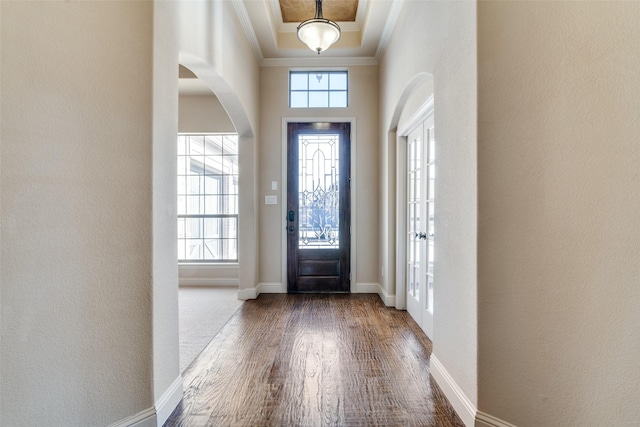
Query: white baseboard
{"type": "Point", "coordinates": [486, 420]}
{"type": "Point", "coordinates": [146, 418]}
{"type": "Point", "coordinates": [366, 288]}
{"type": "Point", "coordinates": [271, 288]}
{"type": "Point", "coordinates": [248, 293]}
{"type": "Point", "coordinates": [168, 401]}
{"type": "Point", "coordinates": [465, 409]}
{"type": "Point", "coordinates": [388, 299]}
{"type": "Point", "coordinates": [194, 281]}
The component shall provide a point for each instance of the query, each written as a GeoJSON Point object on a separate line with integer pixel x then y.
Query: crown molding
{"type": "Point", "coordinates": [243, 16]}
{"type": "Point", "coordinates": [392, 19]}
{"type": "Point", "coordinates": [318, 62]}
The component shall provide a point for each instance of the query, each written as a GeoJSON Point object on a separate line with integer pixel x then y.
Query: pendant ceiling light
{"type": "Point", "coordinates": [318, 33]}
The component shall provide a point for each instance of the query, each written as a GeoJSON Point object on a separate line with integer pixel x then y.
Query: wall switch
{"type": "Point", "coordinates": [270, 200]}
{"type": "Point", "coordinates": [274, 185]}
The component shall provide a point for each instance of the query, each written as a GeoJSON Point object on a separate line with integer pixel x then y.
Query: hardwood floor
{"type": "Point", "coordinates": [314, 360]}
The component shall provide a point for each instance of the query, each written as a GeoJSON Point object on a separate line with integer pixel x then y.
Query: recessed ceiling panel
{"type": "Point", "coordinates": [301, 10]}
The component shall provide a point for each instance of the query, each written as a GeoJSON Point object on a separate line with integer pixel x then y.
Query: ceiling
{"type": "Point", "coordinates": [270, 27]}
{"type": "Point", "coordinates": [336, 10]}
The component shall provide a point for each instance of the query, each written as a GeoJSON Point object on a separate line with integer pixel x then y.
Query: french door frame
{"type": "Point", "coordinates": [283, 193]}
{"type": "Point", "coordinates": [425, 111]}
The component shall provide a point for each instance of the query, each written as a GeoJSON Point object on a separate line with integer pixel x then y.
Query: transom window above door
{"type": "Point", "coordinates": [318, 89]}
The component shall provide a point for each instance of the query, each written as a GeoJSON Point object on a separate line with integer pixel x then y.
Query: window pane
{"type": "Point", "coordinates": [182, 145]}
{"type": "Point", "coordinates": [182, 205]}
{"type": "Point", "coordinates": [196, 145]}
{"type": "Point", "coordinates": [182, 185]}
{"type": "Point", "coordinates": [182, 165]}
{"type": "Point", "coordinates": [299, 81]}
{"type": "Point", "coordinates": [212, 205]}
{"type": "Point", "coordinates": [182, 249]}
{"type": "Point", "coordinates": [212, 249]}
{"type": "Point", "coordinates": [230, 184]}
{"type": "Point", "coordinates": [181, 228]}
{"type": "Point", "coordinates": [298, 99]}
{"type": "Point", "coordinates": [318, 99]}
{"type": "Point", "coordinates": [230, 250]}
{"type": "Point", "coordinates": [194, 249]}
{"type": "Point", "coordinates": [213, 145]}
{"type": "Point", "coordinates": [193, 227]}
{"type": "Point", "coordinates": [338, 81]}
{"type": "Point", "coordinates": [194, 205]}
{"type": "Point", "coordinates": [318, 81]}
{"type": "Point", "coordinates": [212, 228]}
{"type": "Point", "coordinates": [229, 227]}
{"type": "Point", "coordinates": [212, 184]}
{"type": "Point", "coordinates": [337, 99]}
{"type": "Point", "coordinates": [194, 184]}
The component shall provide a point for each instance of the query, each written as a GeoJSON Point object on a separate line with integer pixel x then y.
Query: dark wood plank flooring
{"type": "Point", "coordinates": [314, 360]}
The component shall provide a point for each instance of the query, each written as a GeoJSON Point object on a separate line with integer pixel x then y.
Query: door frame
{"type": "Point", "coordinates": [422, 113]}
{"type": "Point", "coordinates": [283, 193]}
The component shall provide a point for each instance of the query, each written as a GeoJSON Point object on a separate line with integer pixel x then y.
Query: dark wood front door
{"type": "Point", "coordinates": [318, 207]}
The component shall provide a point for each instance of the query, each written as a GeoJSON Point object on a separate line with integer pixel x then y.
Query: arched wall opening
{"type": "Point", "coordinates": [247, 215]}
{"type": "Point", "coordinates": [415, 94]}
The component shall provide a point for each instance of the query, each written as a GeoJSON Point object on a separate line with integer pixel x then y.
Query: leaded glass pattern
{"type": "Point", "coordinates": [319, 191]}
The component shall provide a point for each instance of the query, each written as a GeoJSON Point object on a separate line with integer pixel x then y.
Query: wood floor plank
{"type": "Point", "coordinates": [314, 360]}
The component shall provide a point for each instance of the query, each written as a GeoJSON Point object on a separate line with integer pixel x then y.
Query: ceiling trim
{"type": "Point", "coordinates": [243, 17]}
{"type": "Point", "coordinates": [317, 62]}
{"type": "Point", "coordinates": [394, 13]}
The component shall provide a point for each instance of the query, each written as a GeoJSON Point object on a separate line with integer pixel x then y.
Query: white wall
{"type": "Point", "coordinates": [363, 104]}
{"type": "Point", "coordinates": [559, 204]}
{"type": "Point", "coordinates": [438, 40]}
{"type": "Point", "coordinates": [167, 381]}
{"type": "Point", "coordinates": [203, 113]}
{"type": "Point", "coordinates": [76, 232]}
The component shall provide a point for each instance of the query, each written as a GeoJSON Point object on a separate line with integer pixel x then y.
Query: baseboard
{"type": "Point", "coordinates": [366, 288]}
{"type": "Point", "coordinates": [388, 299]}
{"type": "Point", "coordinates": [168, 401]}
{"type": "Point", "coordinates": [194, 281]}
{"type": "Point", "coordinates": [271, 288]}
{"type": "Point", "coordinates": [465, 409]}
{"type": "Point", "coordinates": [247, 293]}
{"type": "Point", "coordinates": [486, 420]}
{"type": "Point", "coordinates": [146, 418]}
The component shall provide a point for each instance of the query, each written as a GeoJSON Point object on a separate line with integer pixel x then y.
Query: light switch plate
{"type": "Point", "coordinates": [274, 185]}
{"type": "Point", "coordinates": [270, 200]}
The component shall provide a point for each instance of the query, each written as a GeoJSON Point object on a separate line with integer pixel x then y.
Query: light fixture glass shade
{"type": "Point", "coordinates": [318, 33]}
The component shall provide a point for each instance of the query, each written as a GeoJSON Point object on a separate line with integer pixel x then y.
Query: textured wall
{"type": "Point", "coordinates": [203, 113]}
{"type": "Point", "coordinates": [76, 201]}
{"type": "Point", "coordinates": [559, 209]}
{"type": "Point", "coordinates": [363, 102]}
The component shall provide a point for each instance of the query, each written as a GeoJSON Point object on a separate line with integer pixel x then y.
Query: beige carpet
{"type": "Point", "coordinates": [203, 312]}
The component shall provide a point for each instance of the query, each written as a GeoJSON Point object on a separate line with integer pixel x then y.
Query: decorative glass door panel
{"type": "Point", "coordinates": [319, 191]}
{"type": "Point", "coordinates": [318, 207]}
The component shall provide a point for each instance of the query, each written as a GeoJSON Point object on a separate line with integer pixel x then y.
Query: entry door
{"type": "Point", "coordinates": [420, 219]}
{"type": "Point", "coordinates": [318, 207]}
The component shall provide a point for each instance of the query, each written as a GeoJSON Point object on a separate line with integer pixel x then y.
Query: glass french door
{"type": "Point", "coordinates": [421, 224]}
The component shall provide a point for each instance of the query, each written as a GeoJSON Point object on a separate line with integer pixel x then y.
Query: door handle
{"type": "Point", "coordinates": [421, 235]}
{"type": "Point", "coordinates": [291, 216]}
{"type": "Point", "coordinates": [292, 229]}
